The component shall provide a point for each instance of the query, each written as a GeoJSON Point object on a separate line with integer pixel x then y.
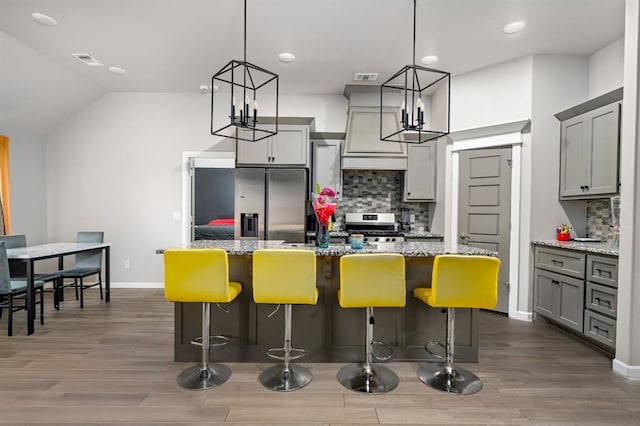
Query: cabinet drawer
{"type": "Point", "coordinates": [600, 328]}
{"type": "Point", "coordinates": [561, 261]}
{"type": "Point", "coordinates": [602, 299]}
{"type": "Point", "coordinates": [603, 270]}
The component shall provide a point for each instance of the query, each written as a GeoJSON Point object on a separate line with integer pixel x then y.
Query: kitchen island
{"type": "Point", "coordinates": [326, 331]}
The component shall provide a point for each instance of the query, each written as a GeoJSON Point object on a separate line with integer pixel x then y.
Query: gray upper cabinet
{"type": "Point", "coordinates": [326, 166]}
{"type": "Point", "coordinates": [589, 153]}
{"type": "Point", "coordinates": [290, 147]}
{"type": "Point", "coordinates": [420, 177]}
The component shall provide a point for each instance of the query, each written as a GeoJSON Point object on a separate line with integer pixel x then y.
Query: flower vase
{"type": "Point", "coordinates": [322, 235]}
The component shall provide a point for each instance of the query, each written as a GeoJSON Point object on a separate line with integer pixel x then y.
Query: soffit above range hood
{"type": "Point", "coordinates": [363, 148]}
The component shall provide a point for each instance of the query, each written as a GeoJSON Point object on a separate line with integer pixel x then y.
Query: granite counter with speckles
{"type": "Point", "coordinates": [596, 248]}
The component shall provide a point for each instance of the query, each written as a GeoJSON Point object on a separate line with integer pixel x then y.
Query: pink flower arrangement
{"type": "Point", "coordinates": [324, 204]}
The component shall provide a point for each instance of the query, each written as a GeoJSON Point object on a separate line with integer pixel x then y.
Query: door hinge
{"type": "Point", "coordinates": [509, 162]}
{"type": "Point", "coordinates": [507, 286]}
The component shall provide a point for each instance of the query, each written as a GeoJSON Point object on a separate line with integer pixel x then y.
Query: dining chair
{"type": "Point", "coordinates": [18, 269]}
{"type": "Point", "coordinates": [87, 264]}
{"type": "Point", "coordinates": [10, 290]}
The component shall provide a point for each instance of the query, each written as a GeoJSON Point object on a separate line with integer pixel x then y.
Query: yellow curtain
{"type": "Point", "coordinates": [4, 182]}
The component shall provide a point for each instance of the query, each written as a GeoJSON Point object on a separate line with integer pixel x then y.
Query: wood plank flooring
{"type": "Point", "coordinates": [112, 364]}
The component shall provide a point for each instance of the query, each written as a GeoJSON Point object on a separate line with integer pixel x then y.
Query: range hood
{"type": "Point", "coordinates": [363, 148]}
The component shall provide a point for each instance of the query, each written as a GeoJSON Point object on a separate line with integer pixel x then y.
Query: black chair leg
{"type": "Point", "coordinates": [10, 319]}
{"type": "Point", "coordinates": [42, 306]}
{"type": "Point", "coordinates": [100, 285]}
{"type": "Point", "coordinates": [81, 293]}
{"type": "Point", "coordinates": [75, 285]}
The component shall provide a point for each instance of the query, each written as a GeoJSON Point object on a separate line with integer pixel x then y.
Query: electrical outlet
{"type": "Point", "coordinates": [412, 218]}
{"type": "Point", "coordinates": [127, 264]}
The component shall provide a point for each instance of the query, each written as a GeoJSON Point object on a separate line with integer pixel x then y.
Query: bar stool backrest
{"type": "Point", "coordinates": [284, 276]}
{"type": "Point", "coordinates": [464, 281]}
{"type": "Point", "coordinates": [372, 280]}
{"type": "Point", "coordinates": [197, 275]}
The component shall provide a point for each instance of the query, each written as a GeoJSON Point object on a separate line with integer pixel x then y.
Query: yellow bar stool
{"type": "Point", "coordinates": [285, 277]}
{"type": "Point", "coordinates": [368, 281]}
{"type": "Point", "coordinates": [457, 282]}
{"type": "Point", "coordinates": [200, 275]}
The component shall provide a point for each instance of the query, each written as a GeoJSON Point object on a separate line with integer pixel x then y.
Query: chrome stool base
{"type": "Point", "coordinates": [275, 378]}
{"type": "Point", "coordinates": [380, 380]}
{"type": "Point", "coordinates": [460, 381]}
{"type": "Point", "coordinates": [201, 377]}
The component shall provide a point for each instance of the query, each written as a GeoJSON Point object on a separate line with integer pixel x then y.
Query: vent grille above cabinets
{"type": "Point", "coordinates": [87, 59]}
{"type": "Point", "coordinates": [365, 76]}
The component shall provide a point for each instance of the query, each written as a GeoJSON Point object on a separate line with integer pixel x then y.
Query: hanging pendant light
{"type": "Point", "coordinates": [423, 95]}
{"type": "Point", "coordinates": [239, 84]}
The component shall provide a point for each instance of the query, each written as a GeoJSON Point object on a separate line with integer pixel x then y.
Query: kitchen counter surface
{"type": "Point", "coordinates": [421, 234]}
{"type": "Point", "coordinates": [411, 249]}
{"type": "Point", "coordinates": [598, 248]}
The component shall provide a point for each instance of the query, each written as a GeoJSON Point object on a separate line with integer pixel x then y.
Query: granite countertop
{"type": "Point", "coordinates": [598, 248]}
{"type": "Point", "coordinates": [415, 249]}
{"type": "Point", "coordinates": [406, 234]}
{"type": "Point", "coordinates": [337, 234]}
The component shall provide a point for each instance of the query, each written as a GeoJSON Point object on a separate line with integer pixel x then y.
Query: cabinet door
{"type": "Point", "coordinates": [253, 152]}
{"type": "Point", "coordinates": [574, 133]}
{"type": "Point", "coordinates": [602, 155]}
{"type": "Point", "coordinates": [327, 170]}
{"type": "Point", "coordinates": [290, 146]}
{"type": "Point", "coordinates": [420, 177]}
{"type": "Point", "coordinates": [571, 302]}
{"type": "Point", "coordinates": [544, 290]}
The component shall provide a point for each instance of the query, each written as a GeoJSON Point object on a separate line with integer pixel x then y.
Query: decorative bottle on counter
{"type": "Point", "coordinates": [322, 235]}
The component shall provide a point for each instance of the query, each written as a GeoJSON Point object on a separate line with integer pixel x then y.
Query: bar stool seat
{"type": "Point", "coordinates": [457, 282]}
{"type": "Point", "coordinates": [200, 275]}
{"type": "Point", "coordinates": [285, 277]}
{"type": "Point", "coordinates": [368, 281]}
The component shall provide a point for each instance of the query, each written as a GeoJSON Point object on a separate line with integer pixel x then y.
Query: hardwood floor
{"type": "Point", "coordinates": [111, 364]}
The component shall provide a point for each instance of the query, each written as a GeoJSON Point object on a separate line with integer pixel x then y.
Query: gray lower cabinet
{"type": "Point", "coordinates": [559, 298]}
{"type": "Point", "coordinates": [577, 291]}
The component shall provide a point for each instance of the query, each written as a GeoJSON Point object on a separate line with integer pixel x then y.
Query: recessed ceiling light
{"type": "Point", "coordinates": [117, 70]}
{"type": "Point", "coordinates": [43, 19]}
{"type": "Point", "coordinates": [429, 59]}
{"type": "Point", "coordinates": [286, 57]}
{"type": "Point", "coordinates": [514, 27]}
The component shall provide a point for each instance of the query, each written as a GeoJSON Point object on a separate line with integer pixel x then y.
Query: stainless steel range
{"type": "Point", "coordinates": [376, 227]}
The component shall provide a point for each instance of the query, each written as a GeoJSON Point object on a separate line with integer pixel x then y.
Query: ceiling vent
{"type": "Point", "coordinates": [365, 76]}
{"type": "Point", "coordinates": [87, 59]}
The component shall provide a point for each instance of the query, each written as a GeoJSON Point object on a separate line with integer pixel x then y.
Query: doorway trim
{"type": "Point", "coordinates": [500, 135]}
{"type": "Point", "coordinates": [221, 159]}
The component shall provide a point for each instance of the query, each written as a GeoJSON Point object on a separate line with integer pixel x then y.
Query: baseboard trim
{"type": "Point", "coordinates": [124, 284]}
{"type": "Point", "coordinates": [625, 370]}
{"type": "Point", "coordinates": [522, 316]}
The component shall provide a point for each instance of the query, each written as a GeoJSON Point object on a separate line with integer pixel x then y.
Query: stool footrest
{"type": "Point", "coordinates": [387, 346]}
{"type": "Point", "coordinates": [430, 352]}
{"type": "Point", "coordinates": [299, 353]}
{"type": "Point", "coordinates": [213, 340]}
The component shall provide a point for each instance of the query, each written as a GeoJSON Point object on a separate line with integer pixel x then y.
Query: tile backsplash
{"type": "Point", "coordinates": [599, 218]}
{"type": "Point", "coordinates": [379, 191]}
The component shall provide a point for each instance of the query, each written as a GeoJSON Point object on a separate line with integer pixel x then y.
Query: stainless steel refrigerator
{"type": "Point", "coordinates": [270, 204]}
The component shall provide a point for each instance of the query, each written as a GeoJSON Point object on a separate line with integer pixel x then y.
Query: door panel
{"type": "Point", "coordinates": [484, 209]}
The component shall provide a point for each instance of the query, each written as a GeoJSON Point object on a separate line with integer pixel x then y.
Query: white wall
{"type": "Point", "coordinates": [493, 95]}
{"type": "Point", "coordinates": [116, 166]}
{"type": "Point", "coordinates": [27, 166]}
{"type": "Point", "coordinates": [606, 69]}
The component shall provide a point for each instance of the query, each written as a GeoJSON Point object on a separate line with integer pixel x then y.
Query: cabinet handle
{"type": "Point", "coordinates": [602, 331]}
{"type": "Point", "coordinates": [555, 282]}
{"type": "Point", "coordinates": [408, 193]}
{"type": "Point", "coordinates": [557, 263]}
{"type": "Point", "coordinates": [582, 187]}
{"type": "Point", "coordinates": [601, 302]}
{"type": "Point", "coordinates": [586, 187]}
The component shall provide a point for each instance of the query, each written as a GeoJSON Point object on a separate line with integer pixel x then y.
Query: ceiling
{"type": "Point", "coordinates": [176, 45]}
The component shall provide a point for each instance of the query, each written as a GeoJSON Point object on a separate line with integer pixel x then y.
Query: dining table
{"type": "Point", "coordinates": [31, 254]}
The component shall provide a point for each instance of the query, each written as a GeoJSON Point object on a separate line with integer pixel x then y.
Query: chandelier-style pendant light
{"type": "Point", "coordinates": [238, 84]}
{"type": "Point", "coordinates": [423, 95]}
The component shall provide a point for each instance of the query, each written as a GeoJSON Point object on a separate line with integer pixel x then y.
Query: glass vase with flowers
{"type": "Point", "coordinates": [324, 204]}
